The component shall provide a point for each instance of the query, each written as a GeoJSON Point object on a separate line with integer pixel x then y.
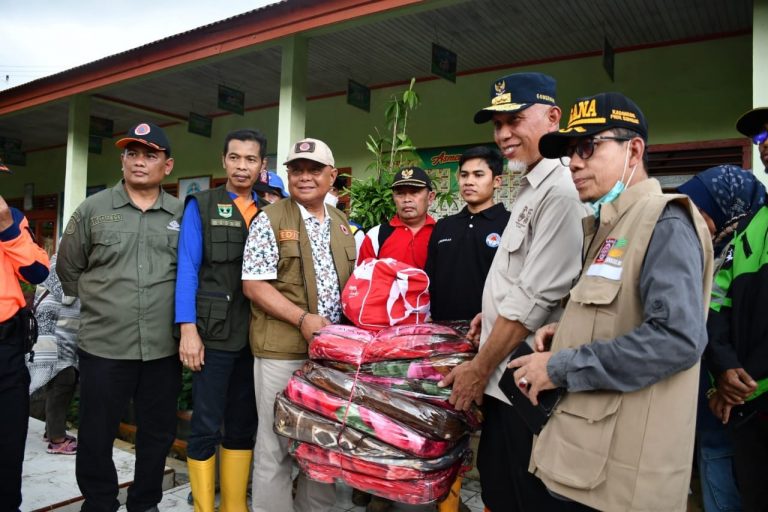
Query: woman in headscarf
{"type": "Point", "coordinates": [727, 197]}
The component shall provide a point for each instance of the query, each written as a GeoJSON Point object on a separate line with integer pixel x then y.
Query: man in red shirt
{"type": "Point", "coordinates": [406, 236]}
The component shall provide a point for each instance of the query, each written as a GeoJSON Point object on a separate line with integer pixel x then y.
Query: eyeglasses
{"type": "Point", "coordinates": [760, 137]}
{"type": "Point", "coordinates": [585, 148]}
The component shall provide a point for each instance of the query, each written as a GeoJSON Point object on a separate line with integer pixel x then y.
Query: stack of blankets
{"type": "Point", "coordinates": [366, 410]}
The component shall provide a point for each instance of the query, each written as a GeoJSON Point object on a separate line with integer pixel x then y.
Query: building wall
{"type": "Point", "coordinates": [689, 92]}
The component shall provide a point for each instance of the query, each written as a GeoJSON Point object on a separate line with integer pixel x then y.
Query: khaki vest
{"type": "Point", "coordinates": [610, 450]}
{"type": "Point", "coordinates": [272, 338]}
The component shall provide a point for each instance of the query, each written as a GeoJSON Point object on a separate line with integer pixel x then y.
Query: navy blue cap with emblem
{"type": "Point", "coordinates": [516, 92]}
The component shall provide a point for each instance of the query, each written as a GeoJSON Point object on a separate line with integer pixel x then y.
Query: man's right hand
{"type": "Point", "coordinates": [312, 324]}
{"type": "Point", "coordinates": [735, 385]}
{"type": "Point", "coordinates": [542, 340]}
{"type": "Point", "coordinates": [6, 218]}
{"type": "Point", "coordinates": [191, 348]}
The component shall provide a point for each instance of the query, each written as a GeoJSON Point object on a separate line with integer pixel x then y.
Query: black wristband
{"type": "Point", "coordinates": [301, 319]}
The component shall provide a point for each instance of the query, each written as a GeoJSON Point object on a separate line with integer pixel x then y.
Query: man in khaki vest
{"type": "Point", "coordinates": [627, 347]}
{"type": "Point", "coordinates": [298, 256]}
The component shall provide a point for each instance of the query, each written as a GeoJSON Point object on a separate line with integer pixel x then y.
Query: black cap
{"type": "Point", "coordinates": [516, 92]}
{"type": "Point", "coordinates": [753, 122]}
{"type": "Point", "coordinates": [148, 134]}
{"type": "Point", "coordinates": [595, 114]}
{"type": "Point", "coordinates": [412, 177]}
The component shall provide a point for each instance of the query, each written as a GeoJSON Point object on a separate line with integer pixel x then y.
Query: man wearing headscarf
{"type": "Point", "coordinates": [737, 353]}
{"type": "Point", "coordinates": [726, 196]}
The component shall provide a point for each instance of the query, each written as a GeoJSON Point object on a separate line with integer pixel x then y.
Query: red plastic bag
{"type": "Point", "coordinates": [382, 293]}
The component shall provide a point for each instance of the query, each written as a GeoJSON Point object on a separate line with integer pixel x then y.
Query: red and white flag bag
{"type": "Point", "coordinates": [386, 292]}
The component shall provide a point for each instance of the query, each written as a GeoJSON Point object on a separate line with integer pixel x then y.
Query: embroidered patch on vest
{"type": "Point", "coordinates": [287, 234]}
{"type": "Point", "coordinates": [228, 223]}
{"type": "Point", "coordinates": [225, 210]}
{"type": "Point", "coordinates": [609, 260]}
{"type": "Point", "coordinates": [344, 229]}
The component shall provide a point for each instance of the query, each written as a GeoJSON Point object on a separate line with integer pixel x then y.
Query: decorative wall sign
{"type": "Point", "coordinates": [200, 125]}
{"type": "Point", "coordinates": [358, 95]}
{"type": "Point", "coordinates": [101, 127]}
{"type": "Point", "coordinates": [94, 144]}
{"type": "Point", "coordinates": [231, 100]}
{"type": "Point", "coordinates": [443, 62]}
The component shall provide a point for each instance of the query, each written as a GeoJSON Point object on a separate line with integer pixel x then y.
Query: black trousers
{"type": "Point", "coordinates": [106, 387]}
{"type": "Point", "coordinates": [222, 392]}
{"type": "Point", "coordinates": [14, 404]}
{"type": "Point", "coordinates": [502, 460]}
{"type": "Point", "coordinates": [750, 462]}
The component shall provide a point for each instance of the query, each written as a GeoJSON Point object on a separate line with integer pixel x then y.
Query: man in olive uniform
{"type": "Point", "coordinates": [118, 255]}
{"type": "Point", "coordinates": [213, 315]}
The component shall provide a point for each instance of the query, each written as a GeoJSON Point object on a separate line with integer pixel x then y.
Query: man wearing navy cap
{"type": "Point", "coordinates": [271, 191]}
{"type": "Point", "coordinates": [536, 261]}
{"type": "Point", "coordinates": [406, 236]}
{"type": "Point", "coordinates": [754, 124]}
{"type": "Point", "coordinates": [628, 345]}
{"type": "Point", "coordinates": [118, 255]}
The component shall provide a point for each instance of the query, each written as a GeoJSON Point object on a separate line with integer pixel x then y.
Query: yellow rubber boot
{"type": "Point", "coordinates": [233, 479]}
{"type": "Point", "coordinates": [202, 479]}
{"type": "Point", "coordinates": [452, 502]}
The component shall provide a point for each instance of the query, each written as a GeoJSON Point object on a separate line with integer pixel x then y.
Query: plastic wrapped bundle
{"type": "Point", "coordinates": [430, 487]}
{"type": "Point", "coordinates": [349, 345]}
{"type": "Point", "coordinates": [429, 368]}
{"type": "Point", "coordinates": [364, 419]}
{"type": "Point", "coordinates": [380, 468]}
{"type": "Point", "coordinates": [428, 419]}
{"type": "Point", "coordinates": [307, 427]}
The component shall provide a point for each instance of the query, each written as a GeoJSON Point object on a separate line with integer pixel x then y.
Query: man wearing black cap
{"type": "Point", "coordinates": [627, 347]}
{"type": "Point", "coordinates": [406, 236]}
{"type": "Point", "coordinates": [754, 124]}
{"type": "Point", "coordinates": [213, 316]}
{"type": "Point", "coordinates": [118, 255]}
{"type": "Point", "coordinates": [535, 263]}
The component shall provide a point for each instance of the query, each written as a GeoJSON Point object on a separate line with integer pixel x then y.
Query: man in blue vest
{"type": "Point", "coordinates": [213, 315]}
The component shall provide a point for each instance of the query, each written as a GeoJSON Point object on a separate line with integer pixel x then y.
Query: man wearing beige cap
{"type": "Point", "coordinates": [298, 256]}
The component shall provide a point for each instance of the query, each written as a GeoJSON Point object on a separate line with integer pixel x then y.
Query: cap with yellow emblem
{"type": "Point", "coordinates": [594, 114]}
{"type": "Point", "coordinates": [412, 177]}
{"type": "Point", "coordinates": [517, 92]}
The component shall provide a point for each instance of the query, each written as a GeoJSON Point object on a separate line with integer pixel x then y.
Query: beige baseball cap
{"type": "Point", "coordinates": [311, 149]}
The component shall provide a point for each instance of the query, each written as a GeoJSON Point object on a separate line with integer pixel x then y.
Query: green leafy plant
{"type": "Point", "coordinates": [390, 149]}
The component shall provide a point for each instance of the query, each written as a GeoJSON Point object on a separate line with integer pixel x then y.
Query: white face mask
{"type": "Point", "coordinates": [331, 199]}
{"type": "Point", "coordinates": [616, 190]}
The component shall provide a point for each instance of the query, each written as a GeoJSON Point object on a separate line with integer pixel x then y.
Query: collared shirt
{"type": "Point", "coordinates": [191, 254]}
{"type": "Point", "coordinates": [403, 244]}
{"type": "Point", "coordinates": [539, 256]}
{"type": "Point", "coordinates": [121, 263]}
{"type": "Point", "coordinates": [261, 256]}
{"type": "Point", "coordinates": [20, 258]}
{"type": "Point", "coordinates": [461, 250]}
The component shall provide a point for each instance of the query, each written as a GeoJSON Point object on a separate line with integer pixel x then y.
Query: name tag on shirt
{"type": "Point", "coordinates": [609, 260]}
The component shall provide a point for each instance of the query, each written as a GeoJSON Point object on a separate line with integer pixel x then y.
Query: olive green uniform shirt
{"type": "Point", "coordinates": [121, 262]}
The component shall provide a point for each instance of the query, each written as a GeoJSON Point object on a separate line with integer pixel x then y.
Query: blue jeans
{"type": "Point", "coordinates": [222, 394]}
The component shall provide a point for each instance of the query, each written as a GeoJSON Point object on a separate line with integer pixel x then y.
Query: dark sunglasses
{"type": "Point", "coordinates": [760, 137]}
{"type": "Point", "coordinates": [585, 148]}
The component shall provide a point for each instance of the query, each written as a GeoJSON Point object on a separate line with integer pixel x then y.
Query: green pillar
{"type": "Point", "coordinates": [759, 72]}
{"type": "Point", "coordinates": [293, 98]}
{"type": "Point", "coordinates": [76, 168]}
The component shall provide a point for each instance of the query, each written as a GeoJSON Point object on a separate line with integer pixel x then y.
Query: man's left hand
{"type": "Point", "coordinates": [468, 385]}
{"type": "Point", "coordinates": [531, 374]}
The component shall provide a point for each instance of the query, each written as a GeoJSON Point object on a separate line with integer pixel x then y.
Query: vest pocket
{"type": "Point", "coordinates": [574, 447]}
{"type": "Point", "coordinates": [227, 244]}
{"type": "Point", "coordinates": [289, 264]}
{"type": "Point", "coordinates": [212, 312]}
